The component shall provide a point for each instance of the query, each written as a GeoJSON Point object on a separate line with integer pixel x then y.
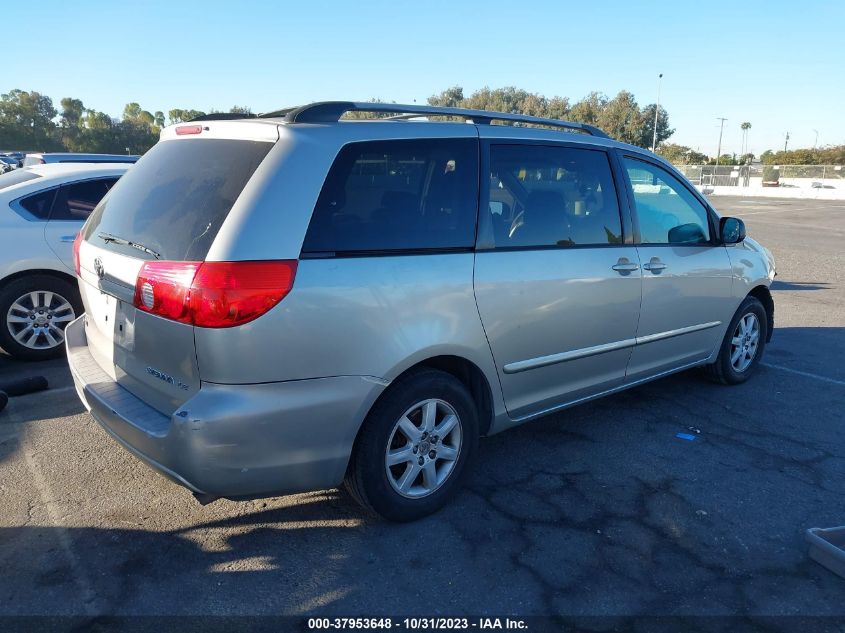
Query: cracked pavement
{"type": "Point", "coordinates": [599, 510]}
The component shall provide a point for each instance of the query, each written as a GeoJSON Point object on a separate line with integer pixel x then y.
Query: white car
{"type": "Point", "coordinates": [41, 210]}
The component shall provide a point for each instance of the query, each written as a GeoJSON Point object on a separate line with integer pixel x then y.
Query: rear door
{"type": "Point", "coordinates": [169, 207]}
{"type": "Point", "coordinates": [72, 205]}
{"type": "Point", "coordinates": [556, 282]}
{"type": "Point", "coordinates": [686, 274]}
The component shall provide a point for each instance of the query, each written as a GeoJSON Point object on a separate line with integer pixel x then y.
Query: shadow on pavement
{"type": "Point", "coordinates": [799, 285]}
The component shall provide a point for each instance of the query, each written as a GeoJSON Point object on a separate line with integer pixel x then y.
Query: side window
{"type": "Point", "coordinates": [551, 196]}
{"type": "Point", "coordinates": [397, 195]}
{"type": "Point", "coordinates": [39, 204]}
{"type": "Point", "coordinates": [76, 201]}
{"type": "Point", "coordinates": [668, 213]}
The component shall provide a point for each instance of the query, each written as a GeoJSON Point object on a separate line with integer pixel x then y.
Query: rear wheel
{"type": "Point", "coordinates": [743, 345]}
{"type": "Point", "coordinates": [34, 312]}
{"type": "Point", "coordinates": [414, 446]}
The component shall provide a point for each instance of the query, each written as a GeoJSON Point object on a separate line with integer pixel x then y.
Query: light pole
{"type": "Point", "coordinates": [785, 141]}
{"type": "Point", "coordinates": [719, 147]}
{"type": "Point", "coordinates": [656, 113]}
{"type": "Point", "coordinates": [816, 142]}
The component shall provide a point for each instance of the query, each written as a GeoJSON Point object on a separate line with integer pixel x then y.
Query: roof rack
{"type": "Point", "coordinates": [222, 116]}
{"type": "Point", "coordinates": [332, 111]}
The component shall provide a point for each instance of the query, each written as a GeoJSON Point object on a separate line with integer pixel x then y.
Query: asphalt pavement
{"type": "Point", "coordinates": [599, 510]}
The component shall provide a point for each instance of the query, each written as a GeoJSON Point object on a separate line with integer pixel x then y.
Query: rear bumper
{"type": "Point", "coordinates": [233, 440]}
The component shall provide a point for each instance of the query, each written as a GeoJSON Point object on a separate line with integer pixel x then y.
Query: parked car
{"type": "Point", "coordinates": [7, 164]}
{"type": "Point", "coordinates": [73, 157]}
{"type": "Point", "coordinates": [284, 303]}
{"type": "Point", "coordinates": [41, 210]}
{"type": "Point", "coordinates": [15, 156]}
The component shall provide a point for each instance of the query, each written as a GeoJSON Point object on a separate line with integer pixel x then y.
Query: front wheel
{"type": "Point", "coordinates": [34, 312]}
{"type": "Point", "coordinates": [414, 446]}
{"type": "Point", "coordinates": [743, 345]}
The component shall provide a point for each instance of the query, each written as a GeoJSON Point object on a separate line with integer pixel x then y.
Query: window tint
{"type": "Point", "coordinates": [397, 195]}
{"type": "Point", "coordinates": [668, 213]}
{"type": "Point", "coordinates": [16, 177]}
{"type": "Point", "coordinates": [175, 198]}
{"type": "Point", "coordinates": [76, 201]}
{"type": "Point", "coordinates": [39, 204]}
{"type": "Point", "coordinates": [552, 196]}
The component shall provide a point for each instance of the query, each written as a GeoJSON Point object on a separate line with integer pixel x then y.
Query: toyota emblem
{"type": "Point", "coordinates": [98, 267]}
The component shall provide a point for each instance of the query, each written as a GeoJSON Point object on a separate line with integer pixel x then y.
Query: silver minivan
{"type": "Point", "coordinates": [295, 300]}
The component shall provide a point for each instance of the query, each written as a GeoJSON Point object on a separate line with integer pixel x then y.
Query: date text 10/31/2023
{"type": "Point", "coordinates": [418, 624]}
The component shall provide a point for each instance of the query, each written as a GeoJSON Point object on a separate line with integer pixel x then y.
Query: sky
{"type": "Point", "coordinates": [778, 65]}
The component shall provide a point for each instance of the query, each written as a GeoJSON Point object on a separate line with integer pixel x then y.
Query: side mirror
{"type": "Point", "coordinates": [732, 230]}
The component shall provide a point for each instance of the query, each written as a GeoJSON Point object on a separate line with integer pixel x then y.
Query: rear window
{"type": "Point", "coordinates": [39, 204]}
{"type": "Point", "coordinates": [77, 200]}
{"type": "Point", "coordinates": [16, 177]}
{"type": "Point", "coordinates": [393, 196]}
{"type": "Point", "coordinates": [174, 200]}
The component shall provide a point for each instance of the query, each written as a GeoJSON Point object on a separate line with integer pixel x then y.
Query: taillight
{"type": "Point", "coordinates": [213, 294]}
{"type": "Point", "coordinates": [77, 242]}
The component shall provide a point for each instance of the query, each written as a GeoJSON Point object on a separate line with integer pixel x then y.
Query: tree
{"type": "Point", "coordinates": [834, 155]}
{"type": "Point", "coordinates": [449, 98]}
{"type": "Point", "coordinates": [178, 115]}
{"type": "Point", "coordinates": [588, 109]}
{"type": "Point", "coordinates": [622, 119]}
{"type": "Point", "coordinates": [240, 110]}
{"type": "Point", "coordinates": [745, 126]}
{"type": "Point", "coordinates": [159, 119]}
{"type": "Point", "coordinates": [72, 111]}
{"type": "Point", "coordinates": [26, 121]}
{"type": "Point", "coordinates": [663, 129]}
{"type": "Point", "coordinates": [680, 154]}
{"type": "Point", "coordinates": [133, 113]}
{"type": "Point", "coordinates": [724, 159]}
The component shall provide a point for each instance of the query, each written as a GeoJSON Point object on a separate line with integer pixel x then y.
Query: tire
{"type": "Point", "coordinates": [375, 485]}
{"type": "Point", "coordinates": [733, 372]}
{"type": "Point", "coordinates": [16, 303]}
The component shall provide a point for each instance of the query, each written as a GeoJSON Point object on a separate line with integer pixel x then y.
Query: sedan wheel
{"type": "Point", "coordinates": [35, 309]}
{"type": "Point", "coordinates": [37, 319]}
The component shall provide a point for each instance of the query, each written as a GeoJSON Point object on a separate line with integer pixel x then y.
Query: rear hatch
{"type": "Point", "coordinates": [165, 212]}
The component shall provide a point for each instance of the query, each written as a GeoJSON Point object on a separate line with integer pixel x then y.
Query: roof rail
{"type": "Point", "coordinates": [332, 111]}
{"type": "Point", "coordinates": [222, 116]}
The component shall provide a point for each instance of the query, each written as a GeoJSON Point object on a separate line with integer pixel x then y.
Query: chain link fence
{"type": "Point", "coordinates": [803, 176]}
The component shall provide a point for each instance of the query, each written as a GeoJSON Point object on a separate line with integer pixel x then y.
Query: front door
{"type": "Point", "coordinates": [687, 277]}
{"type": "Point", "coordinates": [557, 288]}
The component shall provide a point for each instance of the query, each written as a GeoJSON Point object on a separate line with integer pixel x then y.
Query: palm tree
{"type": "Point", "coordinates": [745, 127]}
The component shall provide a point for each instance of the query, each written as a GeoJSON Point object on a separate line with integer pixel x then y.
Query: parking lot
{"type": "Point", "coordinates": [599, 510]}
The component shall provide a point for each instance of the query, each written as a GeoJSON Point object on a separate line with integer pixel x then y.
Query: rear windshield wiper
{"type": "Point", "coordinates": [108, 237]}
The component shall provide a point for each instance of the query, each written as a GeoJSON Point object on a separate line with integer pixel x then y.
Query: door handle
{"type": "Point", "coordinates": [623, 266]}
{"type": "Point", "coordinates": [67, 238]}
{"type": "Point", "coordinates": [655, 265]}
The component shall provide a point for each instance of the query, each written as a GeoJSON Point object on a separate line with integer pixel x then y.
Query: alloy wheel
{"type": "Point", "coordinates": [37, 319]}
{"type": "Point", "coordinates": [745, 342]}
{"type": "Point", "coordinates": [423, 448]}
